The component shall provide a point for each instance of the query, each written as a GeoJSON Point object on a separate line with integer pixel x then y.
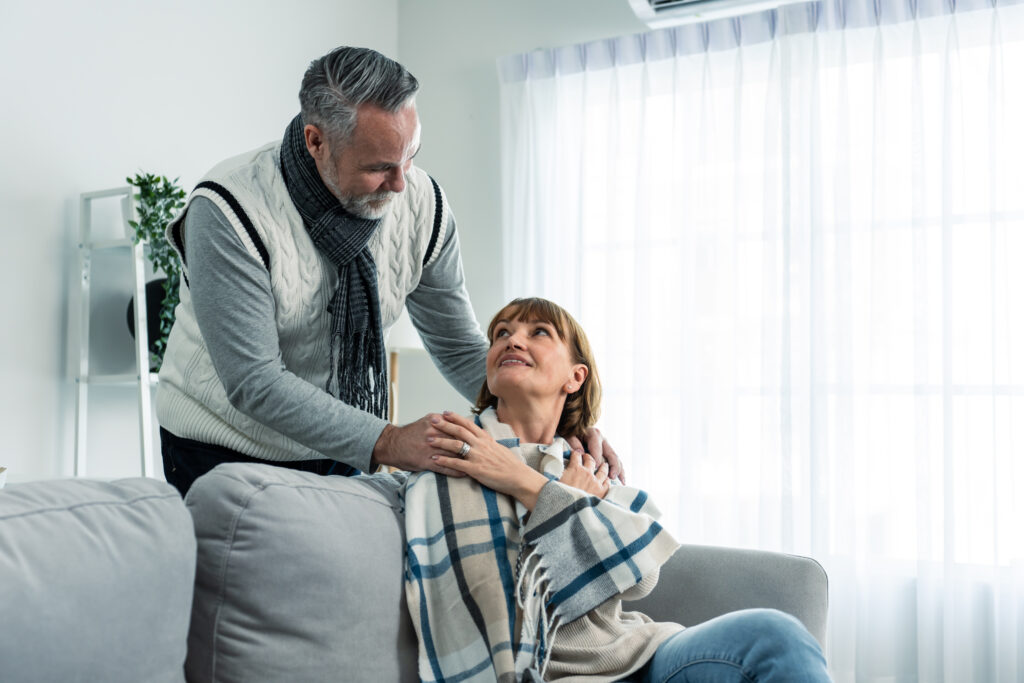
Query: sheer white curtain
{"type": "Point", "coordinates": [796, 240]}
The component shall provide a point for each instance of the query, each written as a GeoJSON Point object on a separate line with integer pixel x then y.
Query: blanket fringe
{"type": "Point", "coordinates": [533, 592]}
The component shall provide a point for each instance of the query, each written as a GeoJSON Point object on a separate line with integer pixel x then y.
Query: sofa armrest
{"type": "Point", "coordinates": [702, 582]}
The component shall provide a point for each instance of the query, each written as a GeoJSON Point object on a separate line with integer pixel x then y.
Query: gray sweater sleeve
{"type": "Point", "coordinates": [443, 315]}
{"type": "Point", "coordinates": [235, 310]}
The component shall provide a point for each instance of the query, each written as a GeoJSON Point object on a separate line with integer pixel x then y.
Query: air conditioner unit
{"type": "Point", "coordinates": [662, 13]}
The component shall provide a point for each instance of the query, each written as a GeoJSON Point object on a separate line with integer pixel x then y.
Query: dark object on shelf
{"type": "Point", "coordinates": [154, 300]}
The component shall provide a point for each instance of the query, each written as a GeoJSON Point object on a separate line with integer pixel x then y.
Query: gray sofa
{"type": "Point", "coordinates": [274, 576]}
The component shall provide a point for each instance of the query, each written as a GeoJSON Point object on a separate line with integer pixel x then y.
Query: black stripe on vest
{"type": "Point", "coordinates": [179, 244]}
{"type": "Point", "coordinates": [246, 223]}
{"type": "Point", "coordinates": [438, 210]}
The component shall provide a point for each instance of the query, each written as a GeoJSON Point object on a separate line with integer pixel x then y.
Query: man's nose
{"type": "Point", "coordinates": [396, 180]}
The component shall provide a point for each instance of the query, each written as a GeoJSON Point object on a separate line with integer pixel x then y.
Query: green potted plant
{"type": "Point", "coordinates": [158, 200]}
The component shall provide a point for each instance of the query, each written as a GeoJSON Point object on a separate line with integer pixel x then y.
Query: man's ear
{"type": "Point", "coordinates": [316, 143]}
{"type": "Point", "coordinates": [577, 375]}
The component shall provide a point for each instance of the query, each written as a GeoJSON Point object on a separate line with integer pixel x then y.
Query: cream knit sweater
{"type": "Point", "coordinates": [607, 644]}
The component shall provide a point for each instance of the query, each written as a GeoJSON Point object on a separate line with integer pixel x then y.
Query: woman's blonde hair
{"type": "Point", "coordinates": [583, 406]}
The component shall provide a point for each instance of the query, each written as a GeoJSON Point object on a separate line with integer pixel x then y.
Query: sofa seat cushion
{"type": "Point", "coordinates": [95, 581]}
{"type": "Point", "coordinates": [299, 577]}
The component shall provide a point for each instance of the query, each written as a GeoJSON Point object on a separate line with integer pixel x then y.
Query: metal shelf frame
{"type": "Point", "coordinates": [142, 377]}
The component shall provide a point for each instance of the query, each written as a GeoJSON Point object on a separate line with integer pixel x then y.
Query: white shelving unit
{"type": "Point", "coordinates": [141, 378]}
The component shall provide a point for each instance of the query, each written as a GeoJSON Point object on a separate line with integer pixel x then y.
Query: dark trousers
{"type": "Point", "coordinates": [186, 460]}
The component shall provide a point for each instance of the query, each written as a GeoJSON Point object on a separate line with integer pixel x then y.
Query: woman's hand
{"type": "Point", "coordinates": [487, 461]}
{"type": "Point", "coordinates": [581, 473]}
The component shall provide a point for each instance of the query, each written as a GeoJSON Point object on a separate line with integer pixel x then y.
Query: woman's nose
{"type": "Point", "coordinates": [515, 341]}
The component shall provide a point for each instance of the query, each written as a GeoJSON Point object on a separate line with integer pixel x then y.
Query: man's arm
{"type": "Point", "coordinates": [235, 311]}
{"type": "Point", "coordinates": [441, 311]}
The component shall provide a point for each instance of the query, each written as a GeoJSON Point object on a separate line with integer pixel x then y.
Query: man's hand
{"type": "Point", "coordinates": [407, 448]}
{"type": "Point", "coordinates": [585, 474]}
{"type": "Point", "coordinates": [602, 452]}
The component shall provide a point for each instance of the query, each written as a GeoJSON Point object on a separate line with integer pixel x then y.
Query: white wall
{"type": "Point", "coordinates": [91, 93]}
{"type": "Point", "coordinates": [452, 47]}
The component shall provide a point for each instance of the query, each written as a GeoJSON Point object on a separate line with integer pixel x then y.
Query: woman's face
{"type": "Point", "coordinates": [529, 359]}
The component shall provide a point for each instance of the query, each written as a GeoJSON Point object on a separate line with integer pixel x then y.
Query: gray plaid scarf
{"type": "Point", "coordinates": [358, 371]}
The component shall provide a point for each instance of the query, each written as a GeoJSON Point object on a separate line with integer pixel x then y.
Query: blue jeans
{"type": "Point", "coordinates": [752, 646]}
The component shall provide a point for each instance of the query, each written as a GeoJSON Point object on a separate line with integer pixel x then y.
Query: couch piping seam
{"type": "Point", "coordinates": [96, 503]}
{"type": "Point", "coordinates": [229, 543]}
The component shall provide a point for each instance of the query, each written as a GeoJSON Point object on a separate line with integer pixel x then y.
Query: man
{"type": "Point", "coordinates": [297, 257]}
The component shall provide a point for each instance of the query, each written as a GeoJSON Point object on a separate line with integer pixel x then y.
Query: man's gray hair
{"type": "Point", "coordinates": [337, 83]}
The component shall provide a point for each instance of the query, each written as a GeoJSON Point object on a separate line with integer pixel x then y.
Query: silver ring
{"type": "Point", "coordinates": [464, 451]}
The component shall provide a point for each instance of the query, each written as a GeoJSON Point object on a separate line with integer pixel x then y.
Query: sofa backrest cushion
{"type": "Point", "coordinates": [95, 581]}
{"type": "Point", "coordinates": [299, 577]}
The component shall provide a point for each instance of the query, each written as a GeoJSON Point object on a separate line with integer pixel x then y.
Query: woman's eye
{"type": "Point", "coordinates": [501, 333]}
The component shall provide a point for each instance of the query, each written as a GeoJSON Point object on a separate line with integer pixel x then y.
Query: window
{"type": "Point", "coordinates": [794, 239]}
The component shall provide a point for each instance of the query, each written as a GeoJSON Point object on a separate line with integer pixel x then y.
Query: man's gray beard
{"type": "Point", "coordinates": [361, 204]}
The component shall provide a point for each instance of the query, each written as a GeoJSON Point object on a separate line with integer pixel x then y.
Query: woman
{"type": "Point", "coordinates": [518, 570]}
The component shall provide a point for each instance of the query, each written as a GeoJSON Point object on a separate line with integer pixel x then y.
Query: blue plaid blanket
{"type": "Point", "coordinates": [487, 587]}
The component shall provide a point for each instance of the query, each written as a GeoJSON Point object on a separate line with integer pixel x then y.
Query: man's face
{"type": "Point", "coordinates": [368, 171]}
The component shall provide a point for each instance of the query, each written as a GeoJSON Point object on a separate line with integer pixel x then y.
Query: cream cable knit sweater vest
{"type": "Point", "coordinates": [191, 402]}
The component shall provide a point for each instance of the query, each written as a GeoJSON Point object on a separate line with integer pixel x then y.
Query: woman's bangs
{"type": "Point", "coordinates": [532, 310]}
